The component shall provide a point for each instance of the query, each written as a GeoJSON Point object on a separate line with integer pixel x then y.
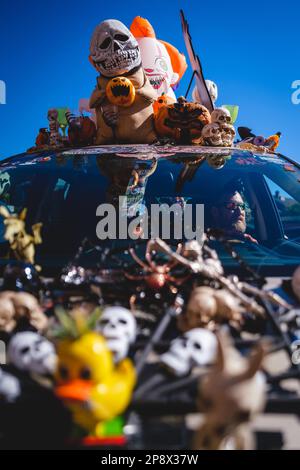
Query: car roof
{"type": "Point", "coordinates": [147, 152]}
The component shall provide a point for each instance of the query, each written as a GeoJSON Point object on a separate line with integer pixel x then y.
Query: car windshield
{"type": "Point", "coordinates": [254, 200]}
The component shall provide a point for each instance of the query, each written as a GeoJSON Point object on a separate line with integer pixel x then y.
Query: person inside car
{"type": "Point", "coordinates": [229, 215]}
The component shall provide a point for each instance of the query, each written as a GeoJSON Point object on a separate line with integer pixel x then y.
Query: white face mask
{"type": "Point", "coordinates": [157, 65]}
{"type": "Point", "coordinates": [114, 50]}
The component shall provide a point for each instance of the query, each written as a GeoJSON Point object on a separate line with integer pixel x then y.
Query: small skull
{"type": "Point", "coordinates": [118, 326]}
{"type": "Point", "coordinates": [211, 134]}
{"type": "Point", "coordinates": [221, 116]}
{"type": "Point", "coordinates": [227, 135]}
{"type": "Point", "coordinates": [197, 347]}
{"type": "Point", "coordinates": [201, 308]}
{"type": "Point", "coordinates": [31, 352]}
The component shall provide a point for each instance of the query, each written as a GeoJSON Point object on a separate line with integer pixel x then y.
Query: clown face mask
{"type": "Point", "coordinates": [157, 65]}
{"type": "Point", "coordinates": [114, 50]}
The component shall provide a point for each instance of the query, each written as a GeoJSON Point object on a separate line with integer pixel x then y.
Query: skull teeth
{"type": "Point", "coordinates": [120, 59]}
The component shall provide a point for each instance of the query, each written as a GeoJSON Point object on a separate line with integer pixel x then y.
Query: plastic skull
{"type": "Point", "coordinates": [227, 134]}
{"type": "Point", "coordinates": [221, 116]}
{"type": "Point", "coordinates": [197, 347]}
{"type": "Point", "coordinates": [31, 352]}
{"type": "Point", "coordinates": [211, 134]}
{"type": "Point", "coordinates": [118, 326]}
{"type": "Point", "coordinates": [114, 50]}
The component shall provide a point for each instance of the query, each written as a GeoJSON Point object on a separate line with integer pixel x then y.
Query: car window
{"type": "Point", "coordinates": [288, 209]}
{"type": "Point", "coordinates": [239, 193]}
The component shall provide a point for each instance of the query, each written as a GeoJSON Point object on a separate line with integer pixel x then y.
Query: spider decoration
{"type": "Point", "coordinates": [156, 276]}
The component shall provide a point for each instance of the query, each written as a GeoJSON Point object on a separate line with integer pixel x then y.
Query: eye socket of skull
{"type": "Point", "coordinates": [121, 37]}
{"type": "Point", "coordinates": [105, 44]}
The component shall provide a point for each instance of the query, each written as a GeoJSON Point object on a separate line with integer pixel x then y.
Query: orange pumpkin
{"type": "Point", "coordinates": [120, 91]}
{"type": "Point", "coordinates": [182, 121]}
{"type": "Point", "coordinates": [163, 100]}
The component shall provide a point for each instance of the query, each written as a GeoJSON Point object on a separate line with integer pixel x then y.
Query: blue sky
{"type": "Point", "coordinates": [251, 50]}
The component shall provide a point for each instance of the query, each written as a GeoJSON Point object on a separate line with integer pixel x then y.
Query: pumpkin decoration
{"type": "Point", "coordinates": [163, 100]}
{"type": "Point", "coordinates": [182, 121]}
{"type": "Point", "coordinates": [120, 91]}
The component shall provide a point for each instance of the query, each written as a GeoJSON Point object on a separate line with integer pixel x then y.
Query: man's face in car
{"type": "Point", "coordinates": [230, 214]}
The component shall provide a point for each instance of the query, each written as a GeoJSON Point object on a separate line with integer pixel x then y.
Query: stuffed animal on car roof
{"type": "Point", "coordinates": [123, 96]}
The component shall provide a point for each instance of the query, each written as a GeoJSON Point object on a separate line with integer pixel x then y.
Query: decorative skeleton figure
{"type": "Point", "coordinates": [31, 352]}
{"type": "Point", "coordinates": [230, 395]}
{"type": "Point", "coordinates": [113, 47]}
{"type": "Point", "coordinates": [118, 326]}
{"type": "Point", "coordinates": [221, 116]}
{"type": "Point", "coordinates": [54, 127]}
{"type": "Point", "coordinates": [227, 135]}
{"type": "Point", "coordinates": [197, 347]}
{"type": "Point", "coordinates": [211, 134]}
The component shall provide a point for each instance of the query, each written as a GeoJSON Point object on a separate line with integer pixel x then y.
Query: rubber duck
{"type": "Point", "coordinates": [90, 384]}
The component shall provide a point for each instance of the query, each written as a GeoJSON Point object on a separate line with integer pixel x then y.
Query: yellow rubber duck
{"type": "Point", "coordinates": [91, 385]}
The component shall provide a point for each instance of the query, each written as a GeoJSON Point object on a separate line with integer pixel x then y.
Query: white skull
{"type": "Point", "coordinates": [114, 50]}
{"type": "Point", "coordinates": [211, 134]}
{"type": "Point", "coordinates": [118, 326]}
{"type": "Point", "coordinates": [296, 283]}
{"type": "Point", "coordinates": [31, 352]}
{"type": "Point", "coordinates": [227, 134]}
{"type": "Point", "coordinates": [197, 347]}
{"type": "Point", "coordinates": [221, 116]}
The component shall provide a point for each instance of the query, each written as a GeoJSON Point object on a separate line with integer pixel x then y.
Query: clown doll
{"type": "Point", "coordinates": [163, 64]}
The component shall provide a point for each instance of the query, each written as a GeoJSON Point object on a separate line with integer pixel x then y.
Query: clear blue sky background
{"type": "Point", "coordinates": [251, 49]}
